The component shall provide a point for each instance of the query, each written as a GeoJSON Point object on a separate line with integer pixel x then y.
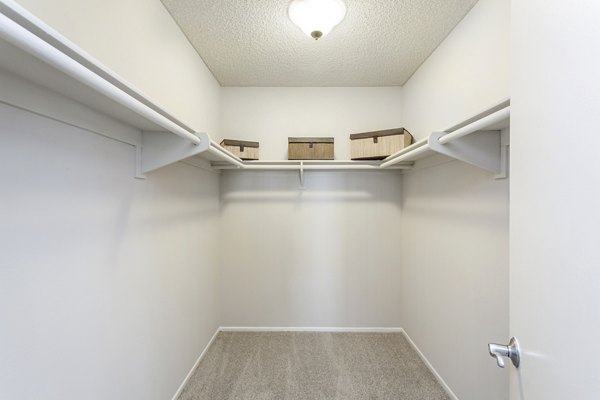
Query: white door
{"type": "Point", "coordinates": [555, 199]}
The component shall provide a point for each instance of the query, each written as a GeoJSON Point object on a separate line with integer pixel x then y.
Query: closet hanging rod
{"type": "Point", "coordinates": [409, 149]}
{"type": "Point", "coordinates": [18, 36]}
{"type": "Point", "coordinates": [224, 155]}
{"type": "Point", "coordinates": [487, 122]}
{"type": "Point", "coordinates": [314, 167]}
{"type": "Point", "coordinates": [406, 156]}
{"type": "Point", "coordinates": [478, 125]}
{"type": "Point", "coordinates": [320, 162]}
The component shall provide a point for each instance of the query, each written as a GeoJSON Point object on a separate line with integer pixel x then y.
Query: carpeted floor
{"type": "Point", "coordinates": [311, 366]}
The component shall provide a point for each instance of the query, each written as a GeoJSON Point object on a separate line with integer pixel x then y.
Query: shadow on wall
{"type": "Point", "coordinates": [192, 196]}
{"type": "Point", "coordinates": [319, 186]}
{"type": "Point", "coordinates": [447, 193]}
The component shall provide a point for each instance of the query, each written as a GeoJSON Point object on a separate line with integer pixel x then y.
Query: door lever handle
{"type": "Point", "coordinates": [499, 352]}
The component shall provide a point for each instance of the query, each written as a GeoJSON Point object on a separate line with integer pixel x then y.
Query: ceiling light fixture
{"type": "Point", "coordinates": [317, 18]}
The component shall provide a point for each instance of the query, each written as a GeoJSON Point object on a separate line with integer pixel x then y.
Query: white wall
{"type": "Point", "coordinates": [468, 72]}
{"type": "Point", "coordinates": [454, 247]}
{"type": "Point", "coordinates": [271, 115]}
{"type": "Point", "coordinates": [139, 40]}
{"type": "Point", "coordinates": [108, 284]}
{"type": "Point", "coordinates": [326, 256]}
{"type": "Point", "coordinates": [454, 278]}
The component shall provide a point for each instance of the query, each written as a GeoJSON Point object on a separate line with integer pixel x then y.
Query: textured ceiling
{"type": "Point", "coordinates": [254, 43]}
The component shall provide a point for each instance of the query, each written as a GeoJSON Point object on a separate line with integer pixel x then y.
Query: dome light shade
{"type": "Point", "coordinates": [317, 18]}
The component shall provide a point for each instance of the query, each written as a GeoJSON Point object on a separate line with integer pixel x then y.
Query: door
{"type": "Point", "coordinates": [555, 199]}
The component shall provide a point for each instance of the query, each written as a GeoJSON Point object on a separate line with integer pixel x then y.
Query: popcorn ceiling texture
{"type": "Point", "coordinates": [254, 43]}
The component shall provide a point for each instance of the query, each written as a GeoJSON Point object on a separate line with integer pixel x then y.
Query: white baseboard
{"type": "Point", "coordinates": [189, 375]}
{"type": "Point", "coordinates": [428, 364]}
{"type": "Point", "coordinates": [304, 329]}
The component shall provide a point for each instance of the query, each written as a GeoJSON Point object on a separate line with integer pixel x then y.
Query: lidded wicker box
{"type": "Point", "coordinates": [378, 145]}
{"type": "Point", "coordinates": [244, 149]}
{"type": "Point", "coordinates": [310, 148]}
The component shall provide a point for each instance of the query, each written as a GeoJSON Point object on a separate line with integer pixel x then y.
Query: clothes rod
{"type": "Point", "coordinates": [308, 167]}
{"type": "Point", "coordinates": [312, 162]}
{"type": "Point", "coordinates": [20, 37]}
{"type": "Point", "coordinates": [224, 155]}
{"type": "Point", "coordinates": [481, 124]}
{"type": "Point", "coordinates": [410, 148]}
{"type": "Point", "coordinates": [406, 156]}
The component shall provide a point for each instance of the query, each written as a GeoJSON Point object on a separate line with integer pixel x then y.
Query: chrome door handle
{"type": "Point", "coordinates": [511, 351]}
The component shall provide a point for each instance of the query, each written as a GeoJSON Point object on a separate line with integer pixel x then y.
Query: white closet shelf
{"type": "Point", "coordinates": [279, 165]}
{"type": "Point", "coordinates": [480, 140]}
{"type": "Point", "coordinates": [34, 51]}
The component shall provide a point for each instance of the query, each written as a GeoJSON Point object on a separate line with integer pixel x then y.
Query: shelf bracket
{"type": "Point", "coordinates": [138, 162]}
{"type": "Point", "coordinates": [481, 149]}
{"type": "Point", "coordinates": [301, 175]}
{"type": "Point", "coordinates": [504, 154]}
{"type": "Point", "coordinates": [160, 149]}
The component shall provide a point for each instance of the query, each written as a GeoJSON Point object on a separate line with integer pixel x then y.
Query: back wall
{"type": "Point", "coordinates": [270, 115]}
{"type": "Point", "coordinates": [326, 256]}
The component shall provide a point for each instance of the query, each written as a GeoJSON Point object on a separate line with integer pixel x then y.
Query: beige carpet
{"type": "Point", "coordinates": [311, 366]}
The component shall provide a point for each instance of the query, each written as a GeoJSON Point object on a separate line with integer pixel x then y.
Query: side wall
{"type": "Point", "coordinates": [326, 256]}
{"type": "Point", "coordinates": [468, 72]}
{"type": "Point", "coordinates": [139, 40]}
{"type": "Point", "coordinates": [108, 284]}
{"type": "Point", "coordinates": [454, 247]}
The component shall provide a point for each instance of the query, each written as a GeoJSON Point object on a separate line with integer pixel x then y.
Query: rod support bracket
{"type": "Point", "coordinates": [504, 154]}
{"type": "Point", "coordinates": [301, 171]}
{"type": "Point", "coordinates": [138, 162]}
{"type": "Point", "coordinates": [481, 149]}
